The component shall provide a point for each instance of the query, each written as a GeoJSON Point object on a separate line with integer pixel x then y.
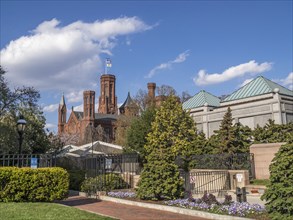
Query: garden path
{"type": "Point", "coordinates": [123, 212]}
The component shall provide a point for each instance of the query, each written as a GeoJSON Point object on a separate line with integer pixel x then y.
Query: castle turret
{"type": "Point", "coordinates": [129, 107]}
{"type": "Point", "coordinates": [108, 99]}
{"type": "Point", "coordinates": [61, 115]}
{"type": "Point", "coordinates": [89, 106]}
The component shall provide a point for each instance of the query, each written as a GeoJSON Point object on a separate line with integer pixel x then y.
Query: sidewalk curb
{"type": "Point", "coordinates": [173, 209]}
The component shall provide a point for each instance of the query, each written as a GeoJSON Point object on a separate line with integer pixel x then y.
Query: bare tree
{"type": "Point", "coordinates": [185, 96]}
{"type": "Point", "coordinates": [165, 90]}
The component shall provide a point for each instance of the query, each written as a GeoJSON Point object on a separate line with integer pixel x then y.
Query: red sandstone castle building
{"type": "Point", "coordinates": [107, 112]}
{"type": "Point", "coordinates": [106, 116]}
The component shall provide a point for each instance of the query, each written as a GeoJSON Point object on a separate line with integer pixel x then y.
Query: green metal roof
{"type": "Point", "coordinates": [256, 87]}
{"type": "Point", "coordinates": [200, 99]}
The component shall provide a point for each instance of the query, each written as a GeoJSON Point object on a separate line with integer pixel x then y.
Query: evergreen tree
{"type": "Point", "coordinates": [226, 134]}
{"type": "Point", "coordinates": [173, 134]}
{"type": "Point", "coordinates": [243, 138]}
{"type": "Point", "coordinates": [279, 192]}
{"type": "Point", "coordinates": [272, 133]}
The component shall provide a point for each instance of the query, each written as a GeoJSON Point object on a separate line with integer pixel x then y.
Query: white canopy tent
{"type": "Point", "coordinates": [94, 148]}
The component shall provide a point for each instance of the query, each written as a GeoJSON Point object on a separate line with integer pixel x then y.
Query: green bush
{"type": "Point", "coordinates": [33, 185]}
{"type": "Point", "coordinates": [279, 193]}
{"type": "Point", "coordinates": [104, 182]}
{"type": "Point", "coordinates": [76, 178]}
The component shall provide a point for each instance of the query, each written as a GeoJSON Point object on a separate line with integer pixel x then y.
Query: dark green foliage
{"type": "Point", "coordinates": [173, 134]}
{"type": "Point", "coordinates": [230, 138]}
{"type": "Point", "coordinates": [227, 200]}
{"type": "Point", "coordinates": [279, 193]}
{"type": "Point", "coordinates": [76, 178]}
{"type": "Point", "coordinates": [160, 180]}
{"type": "Point", "coordinates": [226, 135]}
{"type": "Point", "coordinates": [33, 185]}
{"type": "Point", "coordinates": [137, 132]}
{"type": "Point", "coordinates": [273, 133]}
{"type": "Point", "coordinates": [103, 182]}
{"type": "Point", "coordinates": [209, 199]}
{"type": "Point", "coordinates": [243, 138]}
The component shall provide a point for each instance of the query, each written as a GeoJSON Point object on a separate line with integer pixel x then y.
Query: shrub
{"type": "Point", "coordinates": [76, 178]}
{"type": "Point", "coordinates": [104, 182]}
{"type": "Point", "coordinates": [33, 185]}
{"type": "Point", "coordinates": [279, 193]}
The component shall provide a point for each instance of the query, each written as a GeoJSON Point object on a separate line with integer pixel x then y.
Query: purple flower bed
{"type": "Point", "coordinates": [243, 209]}
{"type": "Point", "coordinates": [122, 194]}
{"type": "Point", "coordinates": [234, 208]}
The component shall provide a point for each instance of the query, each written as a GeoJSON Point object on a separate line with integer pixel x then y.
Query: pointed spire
{"type": "Point", "coordinates": [62, 101]}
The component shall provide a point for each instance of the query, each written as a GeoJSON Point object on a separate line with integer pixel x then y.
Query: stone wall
{"type": "Point", "coordinates": [263, 156]}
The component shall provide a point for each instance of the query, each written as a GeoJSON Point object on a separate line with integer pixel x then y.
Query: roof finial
{"type": "Point", "coordinates": [62, 101]}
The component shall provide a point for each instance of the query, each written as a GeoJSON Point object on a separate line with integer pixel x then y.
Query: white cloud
{"type": "Point", "coordinates": [168, 65]}
{"type": "Point", "coordinates": [245, 82]}
{"type": "Point", "coordinates": [74, 96]}
{"type": "Point", "coordinates": [251, 67]}
{"type": "Point", "coordinates": [51, 108]}
{"type": "Point", "coordinates": [50, 126]}
{"type": "Point", "coordinates": [288, 81]}
{"type": "Point", "coordinates": [64, 57]}
{"type": "Point", "coordinates": [78, 108]}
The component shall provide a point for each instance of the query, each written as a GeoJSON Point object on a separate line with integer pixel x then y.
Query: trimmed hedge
{"type": "Point", "coordinates": [33, 185]}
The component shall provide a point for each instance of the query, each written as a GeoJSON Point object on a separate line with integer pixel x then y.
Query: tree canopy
{"type": "Point", "coordinates": [21, 101]}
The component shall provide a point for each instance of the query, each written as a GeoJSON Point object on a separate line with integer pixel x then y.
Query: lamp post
{"type": "Point", "coordinates": [20, 129]}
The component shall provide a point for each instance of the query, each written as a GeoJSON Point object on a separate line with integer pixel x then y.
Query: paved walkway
{"type": "Point", "coordinates": [123, 212]}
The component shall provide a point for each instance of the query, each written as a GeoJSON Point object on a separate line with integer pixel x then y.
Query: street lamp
{"type": "Point", "coordinates": [20, 129]}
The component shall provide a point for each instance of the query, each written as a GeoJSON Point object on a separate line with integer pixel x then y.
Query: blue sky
{"type": "Point", "coordinates": [60, 46]}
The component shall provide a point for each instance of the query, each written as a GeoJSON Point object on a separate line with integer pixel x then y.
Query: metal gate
{"type": "Point", "coordinates": [198, 182]}
{"type": "Point", "coordinates": [113, 171]}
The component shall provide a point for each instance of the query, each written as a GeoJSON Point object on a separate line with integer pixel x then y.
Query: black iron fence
{"type": "Point", "coordinates": [243, 161]}
{"type": "Point", "coordinates": [108, 172]}
{"type": "Point", "coordinates": [27, 160]}
{"type": "Point", "coordinates": [111, 163]}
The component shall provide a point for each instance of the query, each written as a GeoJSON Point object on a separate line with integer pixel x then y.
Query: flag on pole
{"type": "Point", "coordinates": [108, 63]}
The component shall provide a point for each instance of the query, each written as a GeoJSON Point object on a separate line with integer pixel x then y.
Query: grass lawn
{"type": "Point", "coordinates": [44, 211]}
{"type": "Point", "coordinates": [262, 182]}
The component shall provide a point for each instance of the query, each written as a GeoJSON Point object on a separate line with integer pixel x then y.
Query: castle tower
{"type": "Point", "coordinates": [151, 90]}
{"type": "Point", "coordinates": [61, 115]}
{"type": "Point", "coordinates": [151, 99]}
{"type": "Point", "coordinates": [89, 107]}
{"type": "Point", "coordinates": [108, 99]}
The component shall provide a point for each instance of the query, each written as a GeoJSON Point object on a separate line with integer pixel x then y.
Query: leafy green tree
{"type": "Point", "coordinates": [21, 101]}
{"type": "Point", "coordinates": [173, 134]}
{"type": "Point", "coordinates": [35, 140]}
{"type": "Point", "coordinates": [11, 99]}
{"type": "Point", "coordinates": [279, 192]}
{"type": "Point", "coordinates": [137, 132]}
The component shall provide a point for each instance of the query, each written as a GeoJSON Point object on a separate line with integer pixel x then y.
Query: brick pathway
{"type": "Point", "coordinates": [121, 211]}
